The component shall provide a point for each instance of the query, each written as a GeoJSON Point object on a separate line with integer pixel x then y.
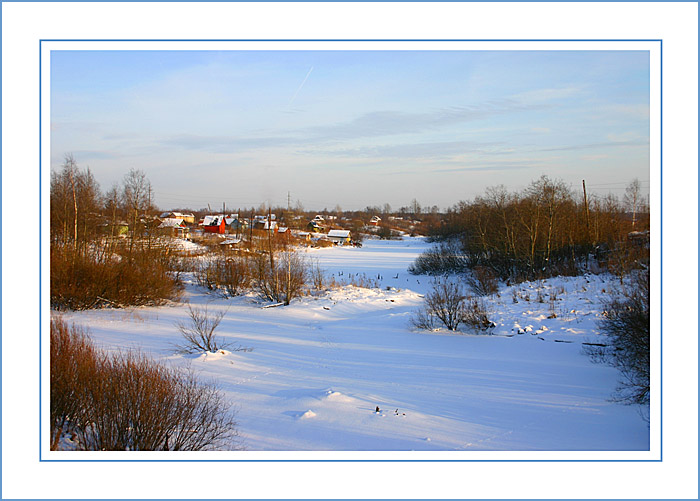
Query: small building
{"type": "Point", "coordinates": [235, 222]}
{"type": "Point", "coordinates": [214, 224]}
{"type": "Point", "coordinates": [339, 237]}
{"type": "Point", "coordinates": [187, 217]}
{"type": "Point", "coordinates": [174, 227]}
{"type": "Point", "coordinates": [315, 226]}
{"type": "Point", "coordinates": [231, 243]}
{"type": "Point", "coordinates": [303, 235]}
{"type": "Point", "coordinates": [375, 220]}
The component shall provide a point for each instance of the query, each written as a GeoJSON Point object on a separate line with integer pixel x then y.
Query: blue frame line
{"type": "Point", "coordinates": [660, 41]}
{"type": "Point", "coordinates": [40, 263]}
{"type": "Point", "coordinates": [661, 249]}
{"type": "Point", "coordinates": [509, 40]}
{"type": "Point", "coordinates": [1, 80]}
{"type": "Point", "coordinates": [349, 1]}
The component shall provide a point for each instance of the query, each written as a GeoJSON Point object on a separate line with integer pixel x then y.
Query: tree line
{"type": "Point", "coordinates": [90, 266]}
{"type": "Point", "coordinates": [545, 230]}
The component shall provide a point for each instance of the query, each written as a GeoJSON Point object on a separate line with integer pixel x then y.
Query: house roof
{"type": "Point", "coordinates": [339, 233]}
{"type": "Point", "coordinates": [174, 214]}
{"type": "Point", "coordinates": [213, 220]}
{"type": "Point", "coordinates": [231, 241]}
{"type": "Point", "coordinates": [172, 223]}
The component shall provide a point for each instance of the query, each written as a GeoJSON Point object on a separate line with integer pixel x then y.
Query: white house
{"type": "Point", "coordinates": [339, 237]}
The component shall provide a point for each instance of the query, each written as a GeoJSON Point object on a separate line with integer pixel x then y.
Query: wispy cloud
{"type": "Point", "coordinates": [438, 149]}
{"type": "Point", "coordinates": [549, 94]}
{"type": "Point", "coordinates": [386, 123]}
{"type": "Point", "coordinates": [226, 144]}
{"type": "Point", "coordinates": [498, 166]}
{"type": "Point", "coordinates": [594, 146]}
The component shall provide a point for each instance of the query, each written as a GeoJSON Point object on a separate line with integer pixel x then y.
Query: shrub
{"type": "Point", "coordinates": [316, 276]}
{"type": "Point", "coordinates": [87, 277]}
{"type": "Point", "coordinates": [448, 305]}
{"type": "Point", "coordinates": [280, 278]}
{"type": "Point", "coordinates": [73, 362]}
{"type": "Point", "coordinates": [476, 316]}
{"type": "Point", "coordinates": [483, 281]}
{"type": "Point", "coordinates": [125, 401]}
{"type": "Point", "coordinates": [199, 333]}
{"type": "Point", "coordinates": [228, 274]}
{"type": "Point", "coordinates": [445, 258]}
{"type": "Point", "coordinates": [444, 303]}
{"type": "Point", "coordinates": [626, 322]}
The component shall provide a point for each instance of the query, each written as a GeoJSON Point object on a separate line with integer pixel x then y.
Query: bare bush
{"type": "Point", "coordinates": [444, 303]}
{"type": "Point", "coordinates": [448, 305]}
{"type": "Point", "coordinates": [281, 278]}
{"type": "Point", "coordinates": [316, 276]}
{"type": "Point", "coordinates": [476, 316]}
{"type": "Point", "coordinates": [446, 257]}
{"type": "Point", "coordinates": [424, 319]}
{"type": "Point", "coordinates": [94, 277]}
{"type": "Point", "coordinates": [125, 401]}
{"type": "Point", "coordinates": [483, 281]}
{"type": "Point", "coordinates": [626, 322]}
{"type": "Point", "coordinates": [199, 333]}
{"type": "Point", "coordinates": [74, 361]}
{"type": "Point", "coordinates": [229, 275]}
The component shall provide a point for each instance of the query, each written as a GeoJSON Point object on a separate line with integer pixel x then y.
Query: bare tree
{"type": "Point", "coordinates": [75, 201]}
{"type": "Point", "coordinates": [199, 333]}
{"type": "Point", "coordinates": [633, 199]}
{"type": "Point", "coordinates": [136, 195]}
{"type": "Point", "coordinates": [415, 207]}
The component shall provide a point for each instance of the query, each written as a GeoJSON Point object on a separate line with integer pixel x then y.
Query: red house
{"type": "Point", "coordinates": [214, 224]}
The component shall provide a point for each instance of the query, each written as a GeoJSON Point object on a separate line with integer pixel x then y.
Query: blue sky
{"type": "Point", "coordinates": [351, 128]}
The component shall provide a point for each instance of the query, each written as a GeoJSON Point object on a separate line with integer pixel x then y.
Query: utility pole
{"type": "Point", "coordinates": [250, 227]}
{"type": "Point", "coordinates": [585, 206]}
{"type": "Point", "coordinates": [273, 271]}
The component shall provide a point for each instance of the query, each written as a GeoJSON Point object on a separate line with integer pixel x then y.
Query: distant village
{"type": "Point", "coordinates": [232, 229]}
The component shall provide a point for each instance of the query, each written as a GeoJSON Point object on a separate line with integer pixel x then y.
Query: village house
{"type": "Point", "coordinates": [339, 237]}
{"type": "Point", "coordinates": [315, 226]}
{"type": "Point", "coordinates": [214, 224]}
{"type": "Point", "coordinates": [302, 235]}
{"type": "Point", "coordinates": [186, 217]}
{"type": "Point", "coordinates": [375, 220]}
{"type": "Point", "coordinates": [236, 223]}
{"type": "Point", "coordinates": [174, 227]}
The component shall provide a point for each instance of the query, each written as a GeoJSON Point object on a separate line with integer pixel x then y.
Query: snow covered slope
{"type": "Point", "coordinates": [315, 372]}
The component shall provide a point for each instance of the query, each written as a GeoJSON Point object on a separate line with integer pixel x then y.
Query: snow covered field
{"type": "Point", "coordinates": [314, 372]}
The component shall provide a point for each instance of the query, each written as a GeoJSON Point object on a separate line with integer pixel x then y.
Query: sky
{"type": "Point", "coordinates": [351, 129]}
